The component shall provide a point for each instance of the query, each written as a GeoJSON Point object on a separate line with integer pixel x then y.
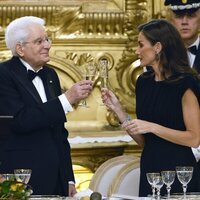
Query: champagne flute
{"type": "Point", "coordinates": [89, 74]}
{"type": "Point", "coordinates": [103, 69]}
{"type": "Point", "coordinates": [23, 175]}
{"type": "Point", "coordinates": [168, 179]}
{"type": "Point", "coordinates": [184, 175]}
{"type": "Point", "coordinates": [152, 180]}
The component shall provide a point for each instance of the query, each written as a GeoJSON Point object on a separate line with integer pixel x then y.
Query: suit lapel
{"type": "Point", "coordinates": [20, 73]}
{"type": "Point", "coordinates": [196, 64]}
{"type": "Point", "coordinates": [48, 84]}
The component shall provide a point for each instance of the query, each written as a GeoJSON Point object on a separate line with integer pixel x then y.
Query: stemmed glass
{"type": "Point", "coordinates": [23, 175]}
{"type": "Point", "coordinates": [89, 74]}
{"type": "Point", "coordinates": [184, 175]}
{"type": "Point", "coordinates": [7, 177]}
{"type": "Point", "coordinates": [158, 185]}
{"type": "Point", "coordinates": [103, 69]}
{"type": "Point", "coordinates": [168, 179]}
{"type": "Point", "coordinates": [152, 179]}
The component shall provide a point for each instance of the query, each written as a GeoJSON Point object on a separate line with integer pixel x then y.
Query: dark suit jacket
{"type": "Point", "coordinates": [37, 138]}
{"type": "Point", "coordinates": [196, 64]}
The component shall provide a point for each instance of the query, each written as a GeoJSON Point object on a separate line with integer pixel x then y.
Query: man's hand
{"type": "Point", "coordinates": [79, 91]}
{"type": "Point", "coordinates": [72, 190]}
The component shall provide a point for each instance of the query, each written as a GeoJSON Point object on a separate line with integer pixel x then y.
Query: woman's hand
{"type": "Point", "coordinates": [137, 126]}
{"type": "Point", "coordinates": [109, 99]}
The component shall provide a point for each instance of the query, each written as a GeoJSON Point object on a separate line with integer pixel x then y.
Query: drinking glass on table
{"type": "Point", "coordinates": [23, 175]}
{"type": "Point", "coordinates": [7, 177]}
{"type": "Point", "coordinates": [158, 185]}
{"type": "Point", "coordinates": [168, 179]}
{"type": "Point", "coordinates": [152, 179]}
{"type": "Point", "coordinates": [88, 74]}
{"type": "Point", "coordinates": [184, 175]}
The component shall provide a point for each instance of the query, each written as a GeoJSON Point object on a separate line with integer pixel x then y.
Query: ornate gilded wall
{"type": "Point", "coordinates": [83, 30]}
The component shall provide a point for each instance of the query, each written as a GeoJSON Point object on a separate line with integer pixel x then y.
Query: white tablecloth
{"type": "Point", "coordinates": [82, 140]}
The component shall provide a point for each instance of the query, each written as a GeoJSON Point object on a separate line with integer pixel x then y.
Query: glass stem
{"type": "Point", "coordinates": [158, 193]}
{"type": "Point", "coordinates": [153, 192]}
{"type": "Point", "coordinates": [184, 191]}
{"type": "Point", "coordinates": [168, 191]}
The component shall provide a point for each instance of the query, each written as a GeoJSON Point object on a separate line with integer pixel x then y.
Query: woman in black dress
{"type": "Point", "coordinates": [167, 105]}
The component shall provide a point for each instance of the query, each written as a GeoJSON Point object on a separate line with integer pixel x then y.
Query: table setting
{"type": "Point", "coordinates": [15, 187]}
{"type": "Point", "coordinates": [166, 178]}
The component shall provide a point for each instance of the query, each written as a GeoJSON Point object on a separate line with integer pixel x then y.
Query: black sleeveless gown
{"type": "Point", "coordinates": [160, 102]}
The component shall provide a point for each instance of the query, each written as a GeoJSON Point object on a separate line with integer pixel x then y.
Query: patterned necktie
{"type": "Point", "coordinates": [32, 74]}
{"type": "Point", "coordinates": [193, 50]}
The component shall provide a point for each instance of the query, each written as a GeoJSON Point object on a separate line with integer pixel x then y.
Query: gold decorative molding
{"type": "Point", "coordinates": [89, 29]}
{"type": "Point", "coordinates": [92, 156]}
{"type": "Point", "coordinates": [84, 30]}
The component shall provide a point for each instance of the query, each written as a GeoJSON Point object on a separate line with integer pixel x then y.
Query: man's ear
{"type": "Point", "coordinates": [19, 49]}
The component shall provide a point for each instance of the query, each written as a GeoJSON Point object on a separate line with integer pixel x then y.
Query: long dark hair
{"type": "Point", "coordinates": [173, 56]}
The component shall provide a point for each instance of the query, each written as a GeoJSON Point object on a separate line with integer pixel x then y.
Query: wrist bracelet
{"type": "Point", "coordinates": [128, 118]}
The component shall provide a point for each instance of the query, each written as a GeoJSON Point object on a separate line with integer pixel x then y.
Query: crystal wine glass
{"type": "Point", "coordinates": [158, 185]}
{"type": "Point", "coordinates": [152, 180]}
{"type": "Point", "coordinates": [7, 177]}
{"type": "Point", "coordinates": [168, 179]}
{"type": "Point", "coordinates": [23, 175]}
{"type": "Point", "coordinates": [184, 175]}
{"type": "Point", "coordinates": [89, 74]}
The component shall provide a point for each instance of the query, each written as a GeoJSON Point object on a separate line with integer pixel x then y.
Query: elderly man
{"type": "Point", "coordinates": [30, 92]}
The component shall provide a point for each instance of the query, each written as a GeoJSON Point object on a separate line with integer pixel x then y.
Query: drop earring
{"type": "Point", "coordinates": [157, 56]}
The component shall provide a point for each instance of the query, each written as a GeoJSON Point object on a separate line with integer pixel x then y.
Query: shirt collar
{"type": "Point", "coordinates": [28, 67]}
{"type": "Point", "coordinates": [196, 43]}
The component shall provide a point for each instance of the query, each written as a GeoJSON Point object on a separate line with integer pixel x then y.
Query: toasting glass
{"type": "Point", "coordinates": [89, 74]}
{"type": "Point", "coordinates": [103, 68]}
{"type": "Point", "coordinates": [103, 73]}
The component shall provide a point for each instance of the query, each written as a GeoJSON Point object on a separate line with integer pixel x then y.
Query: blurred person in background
{"type": "Point", "coordinates": [185, 16]}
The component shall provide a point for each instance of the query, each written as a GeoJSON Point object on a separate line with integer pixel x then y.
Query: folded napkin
{"type": "Point", "coordinates": [83, 195]}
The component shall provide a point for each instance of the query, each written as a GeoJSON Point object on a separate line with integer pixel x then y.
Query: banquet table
{"type": "Point", "coordinates": [114, 198]}
{"type": "Point", "coordinates": [119, 197]}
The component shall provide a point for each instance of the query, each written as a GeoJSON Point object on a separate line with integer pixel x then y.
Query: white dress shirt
{"type": "Point", "coordinates": [191, 57]}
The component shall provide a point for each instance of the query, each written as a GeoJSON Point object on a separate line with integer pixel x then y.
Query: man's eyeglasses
{"type": "Point", "coordinates": [40, 41]}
